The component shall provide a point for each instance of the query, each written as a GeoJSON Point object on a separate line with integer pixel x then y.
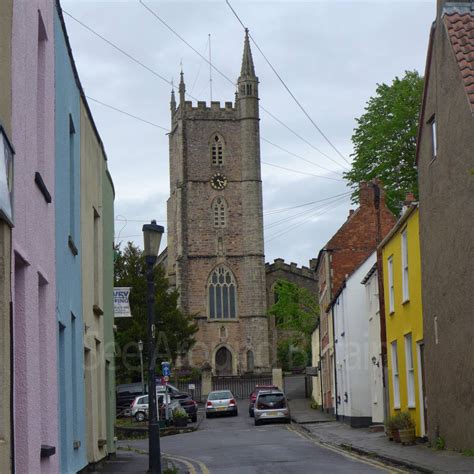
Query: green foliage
{"type": "Point", "coordinates": [297, 312]}
{"type": "Point", "coordinates": [468, 452]}
{"type": "Point", "coordinates": [180, 413]}
{"type": "Point", "coordinates": [385, 139]}
{"type": "Point", "coordinates": [295, 308]}
{"type": "Point", "coordinates": [400, 421]}
{"type": "Point", "coordinates": [440, 443]}
{"type": "Point", "coordinates": [175, 330]}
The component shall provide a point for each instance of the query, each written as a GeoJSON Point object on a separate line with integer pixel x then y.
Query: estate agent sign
{"type": "Point", "coordinates": [121, 304]}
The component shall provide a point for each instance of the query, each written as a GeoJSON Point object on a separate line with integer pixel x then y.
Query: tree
{"type": "Point", "coordinates": [175, 330]}
{"type": "Point", "coordinates": [297, 312]}
{"type": "Point", "coordinates": [385, 139]}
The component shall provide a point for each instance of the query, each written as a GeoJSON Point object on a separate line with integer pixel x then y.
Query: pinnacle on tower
{"type": "Point", "coordinates": [182, 88]}
{"type": "Point", "coordinates": [247, 69]}
{"type": "Point", "coordinates": [173, 101]}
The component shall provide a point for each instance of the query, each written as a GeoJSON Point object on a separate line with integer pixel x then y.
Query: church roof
{"type": "Point", "coordinates": [460, 29]}
{"type": "Point", "coordinates": [248, 68]}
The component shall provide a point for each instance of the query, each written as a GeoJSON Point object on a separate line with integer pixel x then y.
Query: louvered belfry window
{"type": "Point", "coordinates": [222, 292]}
{"type": "Point", "coordinates": [219, 211]}
{"type": "Point", "coordinates": [217, 150]}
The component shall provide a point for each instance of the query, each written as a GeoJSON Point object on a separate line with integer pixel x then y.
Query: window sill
{"type": "Point", "coordinates": [97, 310]}
{"type": "Point", "coordinates": [411, 407]}
{"type": "Point", "coordinates": [406, 301]}
{"type": "Point", "coordinates": [392, 312]}
{"type": "Point", "coordinates": [236, 320]}
{"type": "Point", "coordinates": [397, 407]}
{"type": "Point", "coordinates": [72, 246]}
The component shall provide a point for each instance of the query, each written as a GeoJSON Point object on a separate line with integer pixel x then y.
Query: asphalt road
{"type": "Point", "coordinates": [233, 445]}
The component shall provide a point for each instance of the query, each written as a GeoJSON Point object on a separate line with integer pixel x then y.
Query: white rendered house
{"type": "Point", "coordinates": [351, 342]}
{"type": "Point", "coordinates": [371, 284]}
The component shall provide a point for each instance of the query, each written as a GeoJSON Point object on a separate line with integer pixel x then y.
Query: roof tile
{"type": "Point", "coordinates": [460, 28]}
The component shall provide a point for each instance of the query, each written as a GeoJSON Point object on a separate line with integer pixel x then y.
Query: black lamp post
{"type": "Point", "coordinates": [152, 238]}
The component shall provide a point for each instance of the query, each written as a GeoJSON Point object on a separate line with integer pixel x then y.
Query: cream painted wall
{"type": "Point", "coordinates": [92, 282]}
{"type": "Point", "coordinates": [315, 345]}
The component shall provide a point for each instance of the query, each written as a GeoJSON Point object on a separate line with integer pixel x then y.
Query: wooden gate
{"type": "Point", "coordinates": [241, 386]}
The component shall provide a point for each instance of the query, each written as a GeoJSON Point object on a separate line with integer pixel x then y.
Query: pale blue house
{"type": "Point", "coordinates": [73, 456]}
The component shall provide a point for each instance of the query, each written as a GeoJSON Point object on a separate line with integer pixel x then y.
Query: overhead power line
{"type": "Point", "coordinates": [126, 113]}
{"type": "Point", "coordinates": [288, 89]}
{"type": "Point", "coordinates": [298, 156]}
{"type": "Point", "coordinates": [301, 172]}
{"type": "Point", "coordinates": [227, 78]}
{"type": "Point", "coordinates": [128, 55]}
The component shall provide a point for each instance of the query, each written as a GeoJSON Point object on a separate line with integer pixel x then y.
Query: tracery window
{"type": "Point", "coordinates": [219, 212]}
{"type": "Point", "coordinates": [222, 294]}
{"type": "Point", "coordinates": [217, 150]}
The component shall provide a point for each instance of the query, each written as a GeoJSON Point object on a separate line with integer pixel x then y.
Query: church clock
{"type": "Point", "coordinates": [219, 181]}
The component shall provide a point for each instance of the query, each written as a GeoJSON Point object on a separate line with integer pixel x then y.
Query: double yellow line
{"type": "Point", "coordinates": [189, 463]}
{"type": "Point", "coordinates": [345, 453]}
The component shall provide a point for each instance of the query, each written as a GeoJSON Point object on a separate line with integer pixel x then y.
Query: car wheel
{"type": "Point", "coordinates": [258, 422]}
{"type": "Point", "coordinates": [208, 415]}
{"type": "Point", "coordinates": [251, 413]}
{"type": "Point", "coordinates": [236, 413]}
{"type": "Point", "coordinates": [140, 416]}
{"type": "Point", "coordinates": [194, 418]}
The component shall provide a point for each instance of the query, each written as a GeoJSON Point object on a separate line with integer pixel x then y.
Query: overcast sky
{"type": "Point", "coordinates": [331, 54]}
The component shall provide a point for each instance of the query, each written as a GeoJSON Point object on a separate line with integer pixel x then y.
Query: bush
{"type": "Point", "coordinates": [179, 413]}
{"type": "Point", "coordinates": [400, 421]}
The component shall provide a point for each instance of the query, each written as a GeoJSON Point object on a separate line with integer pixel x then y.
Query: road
{"type": "Point", "coordinates": [233, 445]}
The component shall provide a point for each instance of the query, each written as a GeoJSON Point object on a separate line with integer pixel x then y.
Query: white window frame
{"type": "Point", "coordinates": [434, 136]}
{"type": "Point", "coordinates": [391, 292]}
{"type": "Point", "coordinates": [395, 376]}
{"type": "Point", "coordinates": [410, 370]}
{"type": "Point", "coordinates": [405, 281]}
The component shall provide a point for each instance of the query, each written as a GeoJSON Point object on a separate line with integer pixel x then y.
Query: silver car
{"type": "Point", "coordinates": [139, 408]}
{"type": "Point", "coordinates": [271, 405]}
{"type": "Point", "coordinates": [221, 401]}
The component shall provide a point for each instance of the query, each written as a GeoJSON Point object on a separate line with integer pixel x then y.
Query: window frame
{"type": "Point", "coordinates": [219, 212]}
{"type": "Point", "coordinates": [410, 370]}
{"type": "Point", "coordinates": [405, 273]}
{"type": "Point", "coordinates": [434, 137]}
{"type": "Point", "coordinates": [395, 376]}
{"type": "Point", "coordinates": [391, 288]}
{"type": "Point", "coordinates": [217, 149]}
{"type": "Point", "coordinates": [222, 296]}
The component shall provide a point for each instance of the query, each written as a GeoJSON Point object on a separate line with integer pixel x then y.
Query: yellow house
{"type": "Point", "coordinates": [404, 317]}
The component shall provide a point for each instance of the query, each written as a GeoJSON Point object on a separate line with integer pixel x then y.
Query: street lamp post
{"type": "Point", "coordinates": [152, 238]}
{"type": "Point", "coordinates": [140, 349]}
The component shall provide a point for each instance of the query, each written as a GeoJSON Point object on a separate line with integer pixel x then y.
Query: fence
{"type": "Point", "coordinates": [241, 386]}
{"type": "Point", "coordinates": [185, 387]}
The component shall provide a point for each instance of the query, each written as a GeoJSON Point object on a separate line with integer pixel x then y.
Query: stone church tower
{"type": "Point", "coordinates": [215, 251]}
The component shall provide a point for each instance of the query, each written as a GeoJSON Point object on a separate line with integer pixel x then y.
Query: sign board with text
{"type": "Point", "coordinates": [121, 303]}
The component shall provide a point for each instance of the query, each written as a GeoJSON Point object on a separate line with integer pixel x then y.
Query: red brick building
{"type": "Point", "coordinates": [355, 240]}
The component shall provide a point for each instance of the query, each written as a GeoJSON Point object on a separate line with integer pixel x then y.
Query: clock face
{"type": "Point", "coordinates": [219, 181]}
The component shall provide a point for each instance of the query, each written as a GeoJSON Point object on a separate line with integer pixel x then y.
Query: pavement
{"type": "Point", "coordinates": [418, 457]}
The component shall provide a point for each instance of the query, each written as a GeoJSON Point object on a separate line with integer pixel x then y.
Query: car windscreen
{"type": "Point", "coordinates": [220, 396]}
{"type": "Point", "coordinates": [270, 401]}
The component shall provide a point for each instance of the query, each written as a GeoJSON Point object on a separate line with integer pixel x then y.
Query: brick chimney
{"type": "Point", "coordinates": [369, 192]}
{"type": "Point", "coordinates": [409, 200]}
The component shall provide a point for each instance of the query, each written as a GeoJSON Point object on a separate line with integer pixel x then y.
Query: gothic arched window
{"type": "Point", "coordinates": [222, 294]}
{"type": "Point", "coordinates": [217, 150]}
{"type": "Point", "coordinates": [219, 212]}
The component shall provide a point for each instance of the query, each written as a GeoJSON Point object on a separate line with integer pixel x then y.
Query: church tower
{"type": "Point", "coordinates": [215, 254]}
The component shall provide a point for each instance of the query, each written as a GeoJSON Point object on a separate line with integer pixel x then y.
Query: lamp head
{"type": "Point", "coordinates": [140, 345]}
{"type": "Point", "coordinates": [152, 238]}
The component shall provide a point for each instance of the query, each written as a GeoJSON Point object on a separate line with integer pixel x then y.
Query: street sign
{"type": "Point", "coordinates": [191, 386]}
{"type": "Point", "coordinates": [167, 379]}
{"type": "Point", "coordinates": [165, 369]}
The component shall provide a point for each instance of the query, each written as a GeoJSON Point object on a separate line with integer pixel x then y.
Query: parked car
{"type": "Point", "coordinates": [190, 406]}
{"type": "Point", "coordinates": [253, 395]}
{"type": "Point", "coordinates": [271, 405]}
{"type": "Point", "coordinates": [139, 407]}
{"type": "Point", "coordinates": [221, 401]}
{"type": "Point", "coordinates": [125, 395]}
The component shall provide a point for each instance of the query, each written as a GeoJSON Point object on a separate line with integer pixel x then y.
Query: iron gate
{"type": "Point", "coordinates": [241, 386]}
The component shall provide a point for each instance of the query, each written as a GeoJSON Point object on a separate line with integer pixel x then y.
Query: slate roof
{"type": "Point", "coordinates": [460, 29]}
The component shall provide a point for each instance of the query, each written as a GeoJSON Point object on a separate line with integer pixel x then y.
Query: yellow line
{"type": "Point", "coordinates": [345, 453]}
{"type": "Point", "coordinates": [185, 462]}
{"type": "Point", "coordinates": [188, 461]}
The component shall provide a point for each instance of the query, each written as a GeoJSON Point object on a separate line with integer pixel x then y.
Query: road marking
{"type": "Point", "coordinates": [185, 462]}
{"type": "Point", "coordinates": [188, 461]}
{"type": "Point", "coordinates": [345, 453]}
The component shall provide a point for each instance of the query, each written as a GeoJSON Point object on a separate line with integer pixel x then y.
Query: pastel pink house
{"type": "Point", "coordinates": [33, 239]}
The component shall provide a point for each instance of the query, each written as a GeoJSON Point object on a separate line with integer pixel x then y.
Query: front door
{"type": "Point", "coordinates": [223, 362]}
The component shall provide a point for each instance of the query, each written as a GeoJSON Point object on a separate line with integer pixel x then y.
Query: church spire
{"type": "Point", "coordinates": [182, 88]}
{"type": "Point", "coordinates": [247, 69]}
{"type": "Point", "coordinates": [173, 102]}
